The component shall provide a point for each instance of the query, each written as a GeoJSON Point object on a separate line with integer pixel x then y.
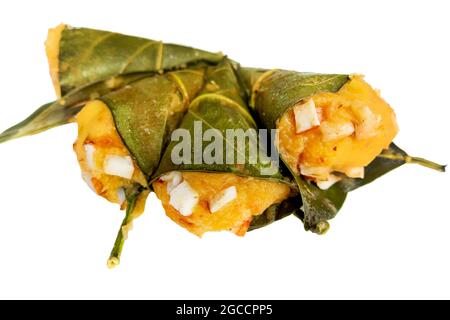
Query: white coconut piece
{"type": "Point", "coordinates": [173, 179]}
{"type": "Point", "coordinates": [306, 116]}
{"type": "Point", "coordinates": [183, 198]}
{"type": "Point", "coordinates": [334, 131]}
{"type": "Point", "coordinates": [222, 199]}
{"type": "Point", "coordinates": [88, 179]}
{"type": "Point", "coordinates": [368, 124]}
{"type": "Point", "coordinates": [121, 166]}
{"type": "Point", "coordinates": [315, 171]}
{"type": "Point", "coordinates": [89, 150]}
{"type": "Point", "coordinates": [355, 172]}
{"type": "Point", "coordinates": [326, 184]}
{"type": "Point", "coordinates": [121, 195]}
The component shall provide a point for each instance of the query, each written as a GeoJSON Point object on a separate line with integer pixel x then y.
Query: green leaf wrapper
{"type": "Point", "coordinates": [219, 106]}
{"type": "Point", "coordinates": [147, 111]}
{"type": "Point", "coordinates": [92, 63]}
{"type": "Point", "coordinates": [88, 56]}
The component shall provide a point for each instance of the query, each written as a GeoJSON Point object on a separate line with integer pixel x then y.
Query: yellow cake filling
{"type": "Point", "coordinates": [336, 132]}
{"type": "Point", "coordinates": [106, 164]}
{"type": "Point", "coordinates": [52, 49]}
{"type": "Point", "coordinates": [217, 201]}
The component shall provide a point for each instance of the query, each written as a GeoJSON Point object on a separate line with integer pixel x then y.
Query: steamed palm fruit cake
{"type": "Point", "coordinates": [106, 165]}
{"type": "Point", "coordinates": [202, 202]}
{"type": "Point", "coordinates": [333, 134]}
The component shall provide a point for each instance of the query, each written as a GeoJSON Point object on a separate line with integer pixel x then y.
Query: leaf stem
{"type": "Point", "coordinates": [114, 257]}
{"type": "Point", "coordinates": [416, 160]}
{"type": "Point", "coordinates": [321, 228]}
{"type": "Point", "coordinates": [426, 163]}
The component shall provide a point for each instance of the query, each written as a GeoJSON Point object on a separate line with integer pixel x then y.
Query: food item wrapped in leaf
{"type": "Point", "coordinates": [86, 64]}
{"type": "Point", "coordinates": [122, 134]}
{"type": "Point", "coordinates": [335, 134]}
{"type": "Point", "coordinates": [213, 194]}
{"type": "Point", "coordinates": [79, 57]}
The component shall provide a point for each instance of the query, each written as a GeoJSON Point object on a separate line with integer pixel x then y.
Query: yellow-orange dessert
{"type": "Point", "coordinates": [52, 50]}
{"type": "Point", "coordinates": [202, 202]}
{"type": "Point", "coordinates": [336, 132]}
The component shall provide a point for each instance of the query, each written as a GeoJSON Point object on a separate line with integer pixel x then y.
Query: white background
{"type": "Point", "coordinates": [391, 240]}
